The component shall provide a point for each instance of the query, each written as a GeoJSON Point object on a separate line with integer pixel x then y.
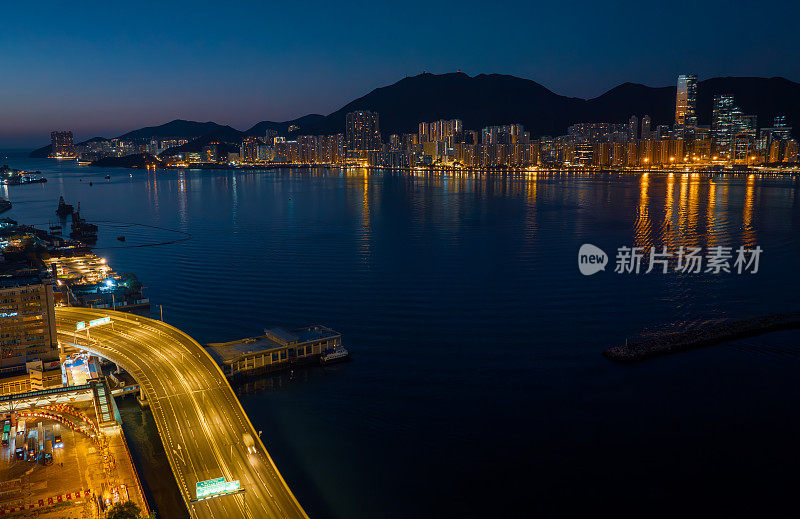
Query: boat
{"type": "Point", "coordinates": [121, 238]}
{"type": "Point", "coordinates": [81, 229]}
{"type": "Point", "coordinates": [337, 354]}
{"type": "Point", "coordinates": [108, 177]}
{"type": "Point", "coordinates": [63, 208]}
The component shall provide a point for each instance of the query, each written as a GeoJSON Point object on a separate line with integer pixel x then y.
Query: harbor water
{"type": "Point", "coordinates": [478, 386]}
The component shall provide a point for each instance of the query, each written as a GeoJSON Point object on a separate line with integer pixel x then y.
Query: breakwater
{"type": "Point", "coordinates": [705, 335]}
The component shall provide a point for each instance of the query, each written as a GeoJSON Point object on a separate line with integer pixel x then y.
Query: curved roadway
{"type": "Point", "coordinates": [199, 418]}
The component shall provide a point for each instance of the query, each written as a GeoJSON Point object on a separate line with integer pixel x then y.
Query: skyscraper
{"type": "Point", "coordinates": [686, 106]}
{"type": "Point", "coordinates": [27, 320]}
{"type": "Point", "coordinates": [743, 131]}
{"type": "Point", "coordinates": [362, 133]}
{"type": "Point", "coordinates": [633, 127]}
{"type": "Point", "coordinates": [645, 127]}
{"type": "Point", "coordinates": [248, 149]}
{"type": "Point", "coordinates": [61, 145]}
{"type": "Point", "coordinates": [722, 126]}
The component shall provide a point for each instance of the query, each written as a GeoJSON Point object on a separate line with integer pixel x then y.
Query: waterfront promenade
{"type": "Point", "coordinates": [199, 419]}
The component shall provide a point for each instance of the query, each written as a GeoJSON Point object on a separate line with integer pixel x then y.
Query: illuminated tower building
{"type": "Point", "coordinates": [744, 128]}
{"type": "Point", "coordinates": [248, 149]}
{"type": "Point", "coordinates": [61, 144]}
{"type": "Point", "coordinates": [424, 132]}
{"type": "Point", "coordinates": [685, 107]}
{"type": "Point", "coordinates": [645, 127]}
{"type": "Point", "coordinates": [633, 127]}
{"type": "Point", "coordinates": [722, 126]}
{"type": "Point", "coordinates": [362, 134]}
{"type": "Point", "coordinates": [27, 320]}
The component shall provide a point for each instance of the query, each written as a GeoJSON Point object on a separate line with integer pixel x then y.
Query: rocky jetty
{"type": "Point", "coordinates": [705, 335]}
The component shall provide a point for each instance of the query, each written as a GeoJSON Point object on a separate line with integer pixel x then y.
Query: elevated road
{"type": "Point", "coordinates": [201, 422]}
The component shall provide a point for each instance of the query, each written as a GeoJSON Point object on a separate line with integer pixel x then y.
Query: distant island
{"type": "Point", "coordinates": [137, 160]}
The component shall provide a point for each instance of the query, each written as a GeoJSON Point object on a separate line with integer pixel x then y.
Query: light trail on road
{"type": "Point", "coordinates": [199, 419]}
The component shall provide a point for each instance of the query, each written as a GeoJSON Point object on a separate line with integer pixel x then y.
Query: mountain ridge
{"type": "Point", "coordinates": [489, 99]}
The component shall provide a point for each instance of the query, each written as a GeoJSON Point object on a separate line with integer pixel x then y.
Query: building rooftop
{"type": "Point", "coordinates": [231, 351]}
{"type": "Point", "coordinates": [274, 338]}
{"type": "Point", "coordinates": [280, 335]}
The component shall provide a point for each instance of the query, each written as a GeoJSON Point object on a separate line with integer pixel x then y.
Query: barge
{"type": "Point", "coordinates": [278, 349]}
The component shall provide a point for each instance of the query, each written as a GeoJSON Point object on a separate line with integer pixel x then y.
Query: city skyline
{"type": "Point", "coordinates": [410, 101]}
{"type": "Point", "coordinates": [191, 61]}
{"type": "Point", "coordinates": [733, 138]}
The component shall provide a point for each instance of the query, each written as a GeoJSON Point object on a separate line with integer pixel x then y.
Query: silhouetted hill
{"type": "Point", "coordinates": [304, 123]}
{"type": "Point", "coordinates": [485, 100]}
{"type": "Point", "coordinates": [619, 103]}
{"type": "Point", "coordinates": [478, 101]}
{"type": "Point", "coordinates": [180, 129]}
{"type": "Point", "coordinates": [201, 142]}
{"type": "Point", "coordinates": [41, 153]}
{"type": "Point", "coordinates": [137, 160]}
{"type": "Point", "coordinates": [489, 99]}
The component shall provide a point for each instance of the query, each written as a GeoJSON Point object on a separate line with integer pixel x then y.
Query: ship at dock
{"type": "Point", "coordinates": [64, 208]}
{"type": "Point", "coordinates": [81, 229]}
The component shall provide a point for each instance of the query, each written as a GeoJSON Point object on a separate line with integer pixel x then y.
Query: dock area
{"type": "Point", "coordinates": [706, 335]}
{"type": "Point", "coordinates": [278, 349]}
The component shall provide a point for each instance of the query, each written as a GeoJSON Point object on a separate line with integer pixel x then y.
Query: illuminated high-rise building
{"type": "Point", "coordinates": [744, 128]}
{"type": "Point", "coordinates": [645, 127]}
{"type": "Point", "coordinates": [248, 149]}
{"type": "Point", "coordinates": [362, 133]}
{"type": "Point", "coordinates": [424, 131]}
{"type": "Point", "coordinates": [503, 134]}
{"type": "Point", "coordinates": [27, 320]}
{"type": "Point", "coordinates": [633, 127]}
{"type": "Point", "coordinates": [686, 107]}
{"type": "Point", "coordinates": [61, 145]}
{"type": "Point", "coordinates": [722, 126]}
{"type": "Point", "coordinates": [441, 130]}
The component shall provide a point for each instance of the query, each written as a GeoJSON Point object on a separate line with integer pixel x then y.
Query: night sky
{"type": "Point", "coordinates": [102, 68]}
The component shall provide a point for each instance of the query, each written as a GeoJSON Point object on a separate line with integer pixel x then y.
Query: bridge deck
{"type": "Point", "coordinates": [199, 419]}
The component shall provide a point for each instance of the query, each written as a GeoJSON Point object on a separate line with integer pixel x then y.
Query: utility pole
{"type": "Point", "coordinates": [162, 312]}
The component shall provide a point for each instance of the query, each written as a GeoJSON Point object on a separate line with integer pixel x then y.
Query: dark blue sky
{"type": "Point", "coordinates": [102, 68]}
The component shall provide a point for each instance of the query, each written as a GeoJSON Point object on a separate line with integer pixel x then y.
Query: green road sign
{"type": "Point", "coordinates": [81, 325]}
{"type": "Point", "coordinates": [98, 322]}
{"type": "Point", "coordinates": [215, 487]}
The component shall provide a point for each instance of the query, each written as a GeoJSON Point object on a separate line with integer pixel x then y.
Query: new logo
{"type": "Point", "coordinates": [591, 259]}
